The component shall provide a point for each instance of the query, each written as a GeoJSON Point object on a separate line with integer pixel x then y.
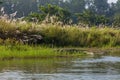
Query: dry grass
{"type": "Point", "coordinates": [59, 35]}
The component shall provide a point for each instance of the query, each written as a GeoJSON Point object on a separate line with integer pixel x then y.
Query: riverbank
{"type": "Point", "coordinates": [57, 35]}
{"type": "Point", "coordinates": [32, 51]}
{"type": "Point", "coordinates": [20, 39]}
{"type": "Point", "coordinates": [8, 52]}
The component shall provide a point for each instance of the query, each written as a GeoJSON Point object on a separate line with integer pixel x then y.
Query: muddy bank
{"type": "Point", "coordinates": [91, 51]}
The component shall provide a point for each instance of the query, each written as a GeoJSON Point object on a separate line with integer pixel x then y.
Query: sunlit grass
{"type": "Point", "coordinates": [27, 51]}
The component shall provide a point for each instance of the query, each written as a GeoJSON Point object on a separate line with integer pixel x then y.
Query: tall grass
{"type": "Point", "coordinates": [59, 35]}
{"type": "Point", "coordinates": [53, 35]}
{"type": "Point", "coordinates": [81, 37]}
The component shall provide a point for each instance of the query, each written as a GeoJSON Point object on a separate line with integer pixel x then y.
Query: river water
{"type": "Point", "coordinates": [87, 68]}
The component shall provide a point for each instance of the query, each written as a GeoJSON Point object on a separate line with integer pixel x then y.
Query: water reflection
{"type": "Point", "coordinates": [36, 65]}
{"type": "Point", "coordinates": [102, 68]}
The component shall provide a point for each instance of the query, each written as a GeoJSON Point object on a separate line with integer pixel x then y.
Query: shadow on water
{"type": "Point", "coordinates": [105, 67]}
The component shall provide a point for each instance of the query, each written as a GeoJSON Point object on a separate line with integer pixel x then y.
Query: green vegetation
{"type": "Point", "coordinates": [12, 35]}
{"type": "Point", "coordinates": [25, 51]}
{"type": "Point", "coordinates": [88, 17]}
{"type": "Point", "coordinates": [32, 51]}
{"type": "Point", "coordinates": [81, 37]}
{"type": "Point", "coordinates": [91, 12]}
{"type": "Point", "coordinates": [80, 23]}
{"type": "Point", "coordinates": [57, 35]}
{"type": "Point", "coordinates": [50, 13]}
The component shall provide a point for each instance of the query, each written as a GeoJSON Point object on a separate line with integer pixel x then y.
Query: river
{"type": "Point", "coordinates": [105, 67]}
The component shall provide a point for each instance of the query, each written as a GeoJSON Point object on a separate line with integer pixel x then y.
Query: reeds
{"type": "Point", "coordinates": [81, 37]}
{"type": "Point", "coordinates": [62, 35]}
{"type": "Point", "coordinates": [53, 36]}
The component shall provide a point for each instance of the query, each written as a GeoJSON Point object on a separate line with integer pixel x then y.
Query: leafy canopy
{"type": "Point", "coordinates": [49, 10]}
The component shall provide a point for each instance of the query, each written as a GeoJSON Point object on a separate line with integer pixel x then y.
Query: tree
{"type": "Point", "coordinates": [116, 13]}
{"type": "Point", "coordinates": [75, 6]}
{"type": "Point", "coordinates": [25, 7]}
{"type": "Point", "coordinates": [100, 7]}
{"type": "Point", "coordinates": [49, 10]}
{"type": "Point", "coordinates": [116, 21]}
{"type": "Point", "coordinates": [88, 17]}
{"type": "Point", "coordinates": [118, 7]}
{"type": "Point", "coordinates": [1, 2]}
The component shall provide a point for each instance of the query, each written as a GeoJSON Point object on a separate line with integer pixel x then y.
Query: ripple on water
{"type": "Point", "coordinates": [103, 59]}
{"type": "Point", "coordinates": [23, 76]}
{"type": "Point", "coordinates": [105, 68]}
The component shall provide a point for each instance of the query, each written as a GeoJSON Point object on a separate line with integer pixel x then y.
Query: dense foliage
{"type": "Point", "coordinates": [54, 12]}
{"type": "Point", "coordinates": [90, 12]}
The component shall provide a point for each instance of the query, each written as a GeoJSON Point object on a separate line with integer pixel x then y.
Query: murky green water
{"type": "Point", "coordinates": [89, 68]}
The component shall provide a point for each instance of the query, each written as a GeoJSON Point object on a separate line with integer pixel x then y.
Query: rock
{"type": "Point", "coordinates": [39, 37]}
{"type": "Point", "coordinates": [17, 32]}
{"type": "Point", "coordinates": [32, 39]}
{"type": "Point", "coordinates": [25, 41]}
{"type": "Point", "coordinates": [25, 37]}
